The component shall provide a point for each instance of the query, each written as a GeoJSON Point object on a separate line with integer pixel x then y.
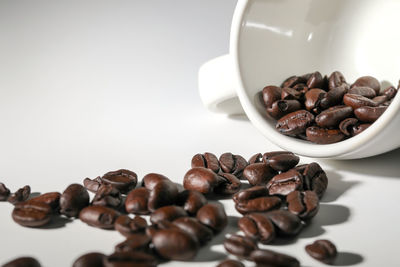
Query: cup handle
{"type": "Point", "coordinates": [217, 86]}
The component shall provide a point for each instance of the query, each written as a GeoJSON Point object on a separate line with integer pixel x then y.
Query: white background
{"type": "Point", "coordinates": [92, 86]}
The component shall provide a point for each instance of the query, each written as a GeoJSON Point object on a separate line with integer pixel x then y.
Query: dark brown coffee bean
{"type": "Point", "coordinates": [230, 263]}
{"type": "Point", "coordinates": [256, 158]}
{"type": "Point", "coordinates": [315, 179]}
{"type": "Point", "coordinates": [130, 258]}
{"type": "Point", "coordinates": [336, 79]}
{"type": "Point", "coordinates": [258, 173]}
{"type": "Point", "coordinates": [369, 114]}
{"type": "Point", "coordinates": [231, 185]}
{"type": "Point", "coordinates": [93, 259]}
{"type": "Point", "coordinates": [191, 201]}
{"type": "Point", "coordinates": [233, 164]}
{"type": "Point", "coordinates": [282, 107]}
{"type": "Point", "coordinates": [202, 180]}
{"type": "Point", "coordinates": [127, 226]}
{"type": "Point", "coordinates": [206, 160]}
{"type": "Point", "coordinates": [333, 97]}
{"type": "Point", "coordinates": [301, 88]}
{"type": "Point", "coordinates": [380, 99]}
{"type": "Point", "coordinates": [281, 160]}
{"type": "Point", "coordinates": [356, 101]}
{"type": "Point", "coordinates": [150, 180]}
{"type": "Point", "coordinates": [290, 94]}
{"type": "Point", "coordinates": [193, 227]}
{"type": "Point", "coordinates": [240, 246]}
{"type": "Point", "coordinates": [293, 80]}
{"type": "Point", "coordinates": [322, 250]}
{"type": "Point", "coordinates": [363, 91]}
{"type": "Point", "coordinates": [168, 213]}
{"type": "Point", "coordinates": [316, 80]}
{"type": "Point", "coordinates": [346, 126]}
{"type": "Point", "coordinates": [320, 135]}
{"type": "Point", "coordinates": [259, 204]}
{"type": "Point", "coordinates": [303, 204]}
{"type": "Point", "coordinates": [174, 244]}
{"type": "Point", "coordinates": [213, 216]}
{"type": "Point", "coordinates": [285, 182]}
{"type": "Point", "coordinates": [250, 193]}
{"type": "Point", "coordinates": [136, 201]}
{"type": "Point", "coordinates": [359, 128]}
{"type": "Point", "coordinates": [164, 193]}
{"type": "Point", "coordinates": [20, 195]}
{"type": "Point", "coordinates": [271, 94]}
{"type": "Point", "coordinates": [285, 222]}
{"type": "Point", "coordinates": [134, 242]}
{"type": "Point", "coordinates": [333, 116]}
{"type": "Point", "coordinates": [23, 262]}
{"type": "Point", "coordinates": [73, 200]}
{"type": "Point", "coordinates": [160, 225]}
{"type": "Point", "coordinates": [107, 195]}
{"type": "Point", "coordinates": [295, 123]}
{"type": "Point", "coordinates": [4, 192]}
{"type": "Point", "coordinates": [92, 185]}
{"type": "Point", "coordinates": [123, 180]}
{"type": "Point", "coordinates": [368, 81]}
{"type": "Point", "coordinates": [313, 98]}
{"type": "Point", "coordinates": [32, 214]}
{"type": "Point", "coordinates": [52, 199]}
{"type": "Point", "coordinates": [390, 92]}
{"type": "Point", "coordinates": [257, 226]}
{"type": "Point", "coordinates": [265, 257]}
{"type": "Point", "coordinates": [99, 216]}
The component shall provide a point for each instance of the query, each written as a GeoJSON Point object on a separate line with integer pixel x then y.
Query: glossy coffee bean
{"type": "Point", "coordinates": [258, 173]}
{"type": "Point", "coordinates": [174, 244]}
{"type": "Point", "coordinates": [285, 182]}
{"type": "Point", "coordinates": [390, 92]}
{"type": "Point", "coordinates": [52, 199]}
{"type": "Point", "coordinates": [293, 80]}
{"type": "Point", "coordinates": [168, 213]}
{"type": "Point", "coordinates": [108, 196]}
{"type": "Point", "coordinates": [99, 216]}
{"type": "Point", "coordinates": [213, 216]}
{"type": "Point", "coordinates": [32, 214]}
{"type": "Point", "coordinates": [290, 94]}
{"type": "Point", "coordinates": [260, 204]}
{"type": "Point", "coordinates": [313, 98]}
{"type": "Point", "coordinates": [130, 258]}
{"type": "Point", "coordinates": [73, 200]}
{"type": "Point", "coordinates": [271, 94]}
{"type": "Point", "coordinates": [20, 195]}
{"type": "Point", "coordinates": [93, 259]}
{"type": "Point", "coordinates": [230, 185]}
{"type": "Point", "coordinates": [286, 223]}
{"type": "Point", "coordinates": [304, 204]}
{"type": "Point", "coordinates": [233, 164]}
{"type": "Point", "coordinates": [191, 201]}
{"type": "Point", "coordinates": [230, 263]}
{"type": "Point", "coordinates": [369, 114]}
{"type": "Point", "coordinates": [193, 227]}
{"type": "Point", "coordinates": [367, 92]}
{"type": "Point", "coordinates": [164, 193]}
{"type": "Point", "coordinates": [257, 226]}
{"type": "Point", "coordinates": [4, 192]}
{"type": "Point", "coordinates": [256, 158]}
{"type": "Point", "coordinates": [92, 184]}
{"type": "Point", "coordinates": [265, 257]}
{"type": "Point", "coordinates": [380, 99]}
{"type": "Point", "coordinates": [160, 225]}
{"type": "Point", "coordinates": [359, 128]}
{"type": "Point", "coordinates": [320, 135]}
{"type": "Point", "coordinates": [336, 79]}
{"type": "Point", "coordinates": [333, 97]}
{"type": "Point", "coordinates": [134, 242]}
{"type": "Point", "coordinates": [22, 262]}
{"type": "Point", "coordinates": [295, 123]}
{"type": "Point", "coordinates": [315, 80]}
{"type": "Point", "coordinates": [346, 126]}
{"type": "Point", "coordinates": [322, 250]}
{"type": "Point", "coordinates": [315, 179]}
{"type": "Point", "coordinates": [356, 101]}
{"type": "Point", "coordinates": [368, 81]}
{"type": "Point", "coordinates": [332, 116]}
{"type": "Point", "coordinates": [206, 160]}
{"type": "Point", "coordinates": [282, 107]}
{"type": "Point", "coordinates": [127, 226]}
{"type": "Point", "coordinates": [250, 193]}
{"type": "Point", "coordinates": [137, 200]}
{"type": "Point", "coordinates": [202, 180]}
{"type": "Point", "coordinates": [123, 180]}
{"type": "Point", "coordinates": [281, 160]}
{"type": "Point", "coordinates": [240, 246]}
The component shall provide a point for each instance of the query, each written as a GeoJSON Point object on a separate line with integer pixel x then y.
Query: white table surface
{"type": "Point", "coordinates": [92, 86]}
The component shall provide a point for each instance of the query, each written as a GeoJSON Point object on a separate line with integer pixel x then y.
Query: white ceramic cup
{"type": "Point", "coordinates": [274, 39]}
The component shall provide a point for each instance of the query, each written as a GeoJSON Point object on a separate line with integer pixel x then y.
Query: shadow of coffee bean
{"type": "Point", "coordinates": [347, 259]}
{"type": "Point", "coordinates": [336, 186]}
{"type": "Point", "coordinates": [57, 222]}
{"type": "Point", "coordinates": [312, 230]}
{"type": "Point", "coordinates": [331, 214]}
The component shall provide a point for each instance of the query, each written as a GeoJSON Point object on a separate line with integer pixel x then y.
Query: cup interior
{"type": "Point", "coordinates": [275, 39]}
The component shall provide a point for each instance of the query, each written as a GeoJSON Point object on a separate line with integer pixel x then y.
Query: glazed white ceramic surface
{"type": "Point", "coordinates": [274, 39]}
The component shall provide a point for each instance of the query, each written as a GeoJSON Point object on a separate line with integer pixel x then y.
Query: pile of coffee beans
{"type": "Point", "coordinates": [324, 109]}
{"type": "Point", "coordinates": [162, 222]}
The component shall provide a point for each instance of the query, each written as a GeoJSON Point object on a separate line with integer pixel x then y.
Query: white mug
{"type": "Point", "coordinates": [274, 39]}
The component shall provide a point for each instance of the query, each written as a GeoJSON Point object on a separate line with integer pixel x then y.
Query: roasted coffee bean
{"type": "Point", "coordinates": [206, 160]}
{"type": "Point", "coordinates": [213, 216]}
{"type": "Point", "coordinates": [164, 193]}
{"type": "Point", "coordinates": [368, 81]}
{"type": "Point", "coordinates": [130, 258]}
{"type": "Point", "coordinates": [290, 94]}
{"type": "Point", "coordinates": [258, 173]}
{"type": "Point", "coordinates": [286, 223]}
{"type": "Point", "coordinates": [160, 225]}
{"type": "Point", "coordinates": [99, 216]}
{"type": "Point", "coordinates": [233, 164]}
{"type": "Point", "coordinates": [240, 246]}
{"type": "Point", "coordinates": [23, 262]}
{"type": "Point", "coordinates": [256, 158]}
{"type": "Point", "coordinates": [73, 200]}
{"type": "Point", "coordinates": [390, 92]}
{"type": "Point", "coordinates": [127, 226]}
{"type": "Point", "coordinates": [202, 179]}
{"type": "Point", "coordinates": [259, 204]}
{"type": "Point", "coordinates": [191, 201]}
{"type": "Point", "coordinates": [363, 91]}
{"type": "Point", "coordinates": [107, 195]}
{"type": "Point", "coordinates": [293, 80]}
{"type": "Point", "coordinates": [134, 242]}
{"type": "Point", "coordinates": [231, 185]}
{"type": "Point", "coordinates": [304, 204]}
{"type": "Point", "coordinates": [123, 180]}
{"type": "Point", "coordinates": [230, 263]}
{"type": "Point", "coordinates": [336, 79]}
{"type": "Point", "coordinates": [281, 160]}
{"type": "Point", "coordinates": [346, 126]}
{"type": "Point", "coordinates": [285, 182]}
{"type": "Point", "coordinates": [265, 257]}
{"type": "Point", "coordinates": [136, 201]}
{"type": "Point", "coordinates": [316, 80]}
{"type": "Point", "coordinates": [315, 179]}
{"type": "Point", "coordinates": [193, 227]}
{"type": "Point", "coordinates": [52, 199]}
{"type": "Point", "coordinates": [271, 94]}
{"type": "Point", "coordinates": [93, 259]}
{"type": "Point", "coordinates": [174, 244]}
{"type": "Point", "coordinates": [4, 192]}
{"type": "Point", "coordinates": [359, 128]}
{"type": "Point", "coordinates": [333, 97]}
{"type": "Point", "coordinates": [322, 250]}
{"type": "Point", "coordinates": [313, 98]}
{"type": "Point", "coordinates": [282, 107]}
{"type": "Point", "coordinates": [333, 116]}
{"type": "Point", "coordinates": [257, 226]}
{"type": "Point", "coordinates": [150, 180]}
{"type": "Point", "coordinates": [20, 195]}
{"type": "Point", "coordinates": [380, 99]}
{"type": "Point", "coordinates": [369, 114]}
{"type": "Point", "coordinates": [320, 135]}
{"type": "Point", "coordinates": [168, 213]}
{"type": "Point", "coordinates": [356, 101]}
{"type": "Point", "coordinates": [250, 193]}
{"type": "Point", "coordinates": [92, 185]}
{"type": "Point", "coordinates": [295, 123]}
{"type": "Point", "coordinates": [32, 214]}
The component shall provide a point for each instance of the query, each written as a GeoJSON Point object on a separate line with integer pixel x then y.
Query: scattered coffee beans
{"type": "Point", "coordinates": [240, 246]}
{"type": "Point", "coordinates": [99, 216]}
{"type": "Point", "coordinates": [32, 214]}
{"type": "Point", "coordinates": [130, 258]}
{"type": "Point", "coordinates": [230, 263]}
{"type": "Point", "coordinates": [108, 196]}
{"type": "Point", "coordinates": [127, 226]}
{"type": "Point", "coordinates": [322, 250]}
{"type": "Point", "coordinates": [93, 259]}
{"type": "Point", "coordinates": [303, 204]}
{"type": "Point", "coordinates": [137, 200]}
{"type": "Point", "coordinates": [214, 216]}
{"type": "Point", "coordinates": [123, 180]}
{"type": "Point", "coordinates": [196, 229]}
{"type": "Point", "coordinates": [52, 199]}
{"type": "Point", "coordinates": [191, 201]}
{"type": "Point", "coordinates": [4, 192]}
{"type": "Point", "coordinates": [135, 242]}
{"type": "Point", "coordinates": [23, 262]}
{"type": "Point", "coordinates": [20, 195]}
{"type": "Point", "coordinates": [73, 200]}
{"type": "Point", "coordinates": [265, 257]}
